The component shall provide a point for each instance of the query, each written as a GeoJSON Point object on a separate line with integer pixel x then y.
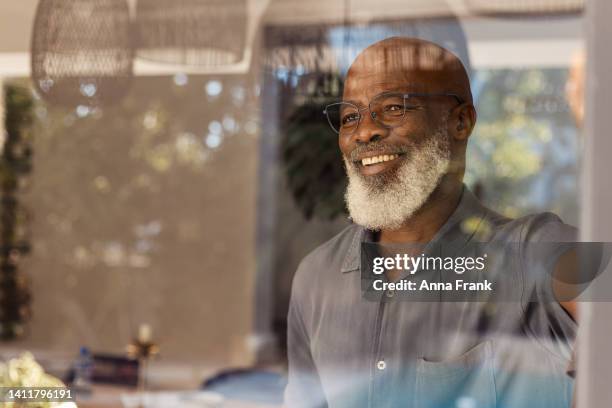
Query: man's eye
{"type": "Point", "coordinates": [393, 109]}
{"type": "Point", "coordinates": [350, 119]}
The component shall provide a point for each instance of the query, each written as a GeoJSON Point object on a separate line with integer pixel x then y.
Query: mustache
{"type": "Point", "coordinates": [376, 148]}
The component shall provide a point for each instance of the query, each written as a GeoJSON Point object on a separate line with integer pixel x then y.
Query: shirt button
{"type": "Point", "coordinates": [381, 365]}
{"type": "Point", "coordinates": [390, 293]}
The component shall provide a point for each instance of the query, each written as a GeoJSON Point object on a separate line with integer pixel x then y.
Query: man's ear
{"type": "Point", "coordinates": [464, 121]}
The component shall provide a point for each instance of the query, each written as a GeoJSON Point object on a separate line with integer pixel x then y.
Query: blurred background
{"type": "Point", "coordinates": [165, 165]}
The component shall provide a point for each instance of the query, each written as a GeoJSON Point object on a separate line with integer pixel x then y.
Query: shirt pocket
{"type": "Point", "coordinates": [464, 381]}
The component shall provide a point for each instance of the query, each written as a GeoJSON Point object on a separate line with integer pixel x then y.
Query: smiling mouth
{"type": "Point", "coordinates": [369, 161]}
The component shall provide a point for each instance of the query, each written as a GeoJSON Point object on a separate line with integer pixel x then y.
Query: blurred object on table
{"type": "Point", "coordinates": [24, 371]}
{"type": "Point", "coordinates": [83, 370]}
{"type": "Point", "coordinates": [111, 369]}
{"type": "Point", "coordinates": [253, 385]}
{"type": "Point", "coordinates": [143, 348]}
{"type": "Point", "coordinates": [184, 399]}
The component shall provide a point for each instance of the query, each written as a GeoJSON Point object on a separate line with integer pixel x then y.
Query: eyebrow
{"type": "Point", "coordinates": [403, 89]}
{"type": "Point", "coordinates": [356, 103]}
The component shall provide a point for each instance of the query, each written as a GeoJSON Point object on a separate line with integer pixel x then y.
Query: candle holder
{"type": "Point", "coordinates": [143, 351]}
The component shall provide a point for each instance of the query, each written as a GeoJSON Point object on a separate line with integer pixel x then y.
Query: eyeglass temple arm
{"type": "Point", "coordinates": [457, 97]}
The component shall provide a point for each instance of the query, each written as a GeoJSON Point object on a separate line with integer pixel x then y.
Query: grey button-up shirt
{"type": "Point", "coordinates": [346, 351]}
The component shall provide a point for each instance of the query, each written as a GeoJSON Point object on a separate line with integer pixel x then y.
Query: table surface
{"type": "Point", "coordinates": [109, 396]}
{"type": "Point", "coordinates": [162, 376]}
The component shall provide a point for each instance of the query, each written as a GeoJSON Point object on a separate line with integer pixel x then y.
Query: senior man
{"type": "Point", "coordinates": [403, 127]}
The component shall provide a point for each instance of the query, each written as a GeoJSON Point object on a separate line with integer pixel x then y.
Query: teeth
{"type": "Point", "coordinates": [378, 159]}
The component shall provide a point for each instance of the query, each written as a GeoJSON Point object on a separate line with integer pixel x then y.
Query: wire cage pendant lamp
{"type": "Point", "coordinates": [522, 7]}
{"type": "Point", "coordinates": [82, 51]}
{"type": "Point", "coordinates": [191, 32]}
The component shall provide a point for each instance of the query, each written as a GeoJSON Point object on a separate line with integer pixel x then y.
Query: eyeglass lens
{"type": "Point", "coordinates": [387, 110]}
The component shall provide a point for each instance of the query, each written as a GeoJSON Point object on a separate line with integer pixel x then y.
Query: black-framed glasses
{"type": "Point", "coordinates": [386, 109]}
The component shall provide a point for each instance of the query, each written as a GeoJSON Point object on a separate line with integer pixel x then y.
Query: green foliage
{"type": "Point", "coordinates": [511, 149]}
{"type": "Point", "coordinates": [15, 164]}
{"type": "Point", "coordinates": [313, 164]}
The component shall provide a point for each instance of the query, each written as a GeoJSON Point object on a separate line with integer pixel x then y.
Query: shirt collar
{"type": "Point", "coordinates": [453, 231]}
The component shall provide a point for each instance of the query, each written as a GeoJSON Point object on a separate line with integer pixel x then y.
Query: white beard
{"type": "Point", "coordinates": [387, 202]}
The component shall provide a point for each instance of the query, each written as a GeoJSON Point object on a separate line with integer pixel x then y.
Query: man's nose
{"type": "Point", "coordinates": [369, 130]}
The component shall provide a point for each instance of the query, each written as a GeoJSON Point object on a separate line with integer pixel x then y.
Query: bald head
{"type": "Point", "coordinates": [419, 64]}
{"type": "Point", "coordinates": [436, 121]}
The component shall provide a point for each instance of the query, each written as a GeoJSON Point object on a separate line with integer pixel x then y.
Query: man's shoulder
{"type": "Point", "coordinates": [542, 227]}
{"type": "Point", "coordinates": [330, 256]}
{"type": "Point", "coordinates": [333, 251]}
{"type": "Point", "coordinates": [485, 223]}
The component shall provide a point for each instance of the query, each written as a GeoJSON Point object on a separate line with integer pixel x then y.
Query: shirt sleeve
{"type": "Point", "coordinates": [545, 238]}
{"type": "Point", "coordinates": [304, 388]}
